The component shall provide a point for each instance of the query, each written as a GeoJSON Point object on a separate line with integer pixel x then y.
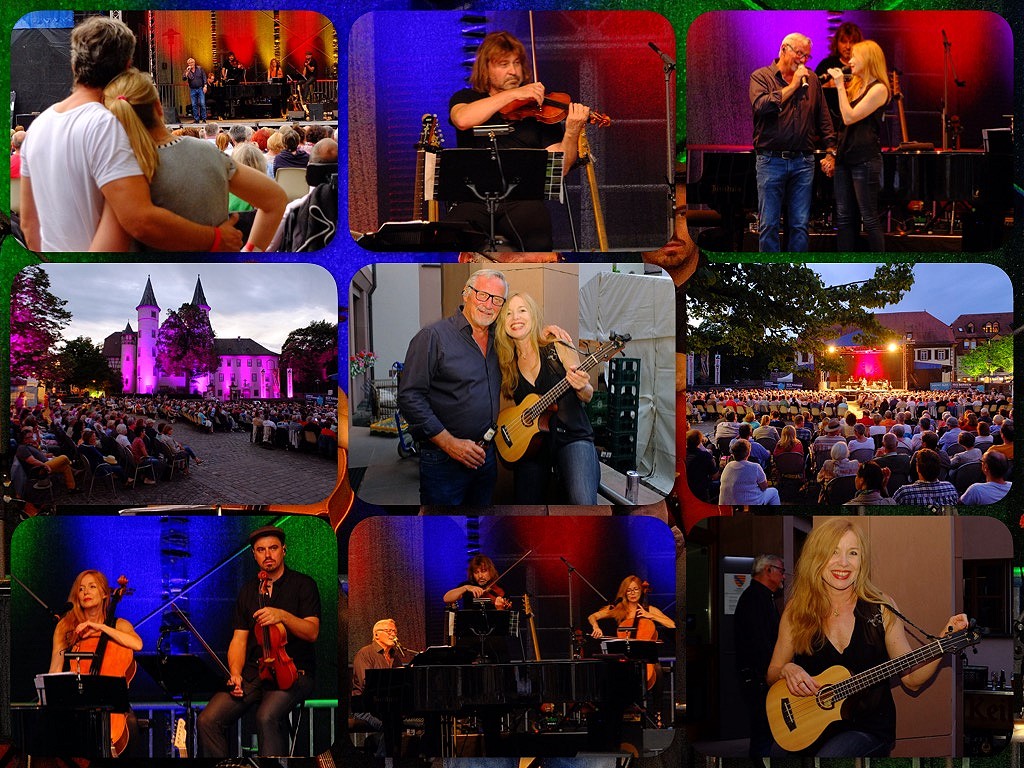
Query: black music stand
{"type": "Point", "coordinates": [482, 624]}
{"type": "Point", "coordinates": [494, 175]}
{"type": "Point", "coordinates": [183, 676]}
{"type": "Point", "coordinates": [75, 715]}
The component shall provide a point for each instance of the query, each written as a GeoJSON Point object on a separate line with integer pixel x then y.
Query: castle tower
{"type": "Point", "coordinates": [149, 325]}
{"type": "Point", "coordinates": [129, 350]}
{"type": "Point", "coordinates": [199, 298]}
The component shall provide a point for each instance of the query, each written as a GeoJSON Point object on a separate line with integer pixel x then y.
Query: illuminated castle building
{"type": "Point", "coordinates": [246, 370]}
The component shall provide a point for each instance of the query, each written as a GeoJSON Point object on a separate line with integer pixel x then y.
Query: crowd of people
{"type": "Point", "coordinates": [767, 447]}
{"type": "Point", "coordinates": [101, 170]}
{"type": "Point", "coordinates": [106, 440]}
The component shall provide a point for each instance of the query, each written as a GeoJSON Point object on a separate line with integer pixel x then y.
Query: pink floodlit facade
{"type": "Point", "coordinates": [247, 369]}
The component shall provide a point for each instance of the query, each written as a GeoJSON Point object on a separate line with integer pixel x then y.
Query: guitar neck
{"type": "Point", "coordinates": [549, 398]}
{"type": "Point", "coordinates": [869, 677]}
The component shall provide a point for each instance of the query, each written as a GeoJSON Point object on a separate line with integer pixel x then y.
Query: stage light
{"type": "Point", "coordinates": [831, 349]}
{"type": "Point", "coordinates": [892, 347]}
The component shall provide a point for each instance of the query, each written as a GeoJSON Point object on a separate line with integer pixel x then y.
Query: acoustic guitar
{"type": "Point", "coordinates": [798, 721]}
{"type": "Point", "coordinates": [427, 148]}
{"type": "Point", "coordinates": [519, 425]}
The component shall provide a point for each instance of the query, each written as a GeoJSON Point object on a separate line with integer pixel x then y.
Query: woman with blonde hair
{"type": "Point", "coordinates": [858, 171]}
{"type": "Point", "coordinates": [836, 615]}
{"type": "Point", "coordinates": [628, 609]}
{"type": "Point", "coordinates": [90, 599]}
{"type": "Point", "coordinates": [187, 176]}
{"type": "Point", "coordinates": [788, 442]}
{"type": "Point", "coordinates": [531, 364]}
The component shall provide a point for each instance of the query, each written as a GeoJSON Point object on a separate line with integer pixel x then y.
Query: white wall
{"type": "Point", "coordinates": [396, 311]}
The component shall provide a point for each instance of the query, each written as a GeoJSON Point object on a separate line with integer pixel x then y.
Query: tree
{"type": "Point", "coordinates": [308, 352]}
{"type": "Point", "coordinates": [37, 319]}
{"type": "Point", "coordinates": [991, 356]}
{"type": "Point", "coordinates": [84, 366]}
{"type": "Point", "coordinates": [772, 311]}
{"type": "Point", "coordinates": [185, 343]}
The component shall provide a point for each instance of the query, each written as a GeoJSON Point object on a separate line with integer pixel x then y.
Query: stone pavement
{"type": "Point", "coordinates": [233, 471]}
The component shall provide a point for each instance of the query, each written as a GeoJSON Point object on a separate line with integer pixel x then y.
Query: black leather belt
{"type": "Point", "coordinates": [785, 154]}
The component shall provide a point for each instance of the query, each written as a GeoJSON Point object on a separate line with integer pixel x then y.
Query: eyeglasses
{"type": "Point", "coordinates": [799, 54]}
{"type": "Point", "coordinates": [484, 296]}
{"type": "Point", "coordinates": [632, 589]}
{"type": "Point", "coordinates": [778, 568]}
{"type": "Point", "coordinates": [389, 631]}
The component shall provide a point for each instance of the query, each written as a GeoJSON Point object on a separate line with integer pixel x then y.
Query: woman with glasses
{"type": "Point", "coordinates": [858, 173]}
{"type": "Point", "coordinates": [531, 364]}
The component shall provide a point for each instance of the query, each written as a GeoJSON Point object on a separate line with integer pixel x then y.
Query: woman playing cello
{"type": "Point", "coordinates": [83, 629]}
{"type": "Point", "coordinates": [89, 598]}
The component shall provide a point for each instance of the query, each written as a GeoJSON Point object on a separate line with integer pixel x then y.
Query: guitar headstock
{"type": "Point", "coordinates": [964, 638]}
{"type": "Point", "coordinates": [430, 134]}
{"type": "Point", "coordinates": [526, 605]}
{"type": "Point", "coordinates": [180, 741]}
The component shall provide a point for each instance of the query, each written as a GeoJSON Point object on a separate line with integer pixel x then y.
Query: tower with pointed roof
{"type": "Point", "coordinates": [149, 324]}
{"type": "Point", "coordinates": [129, 343]}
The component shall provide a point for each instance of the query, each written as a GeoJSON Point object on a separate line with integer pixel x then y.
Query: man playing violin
{"type": "Point", "coordinates": [285, 600]}
{"type": "Point", "coordinates": [480, 577]}
{"type": "Point", "coordinates": [501, 75]}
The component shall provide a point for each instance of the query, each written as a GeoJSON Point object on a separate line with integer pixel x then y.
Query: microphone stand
{"type": "Point", "coordinates": [668, 66]}
{"type": "Point", "coordinates": [948, 65]}
{"type": "Point", "coordinates": [574, 651]}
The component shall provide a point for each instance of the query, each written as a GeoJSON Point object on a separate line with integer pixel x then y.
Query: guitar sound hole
{"type": "Point", "coordinates": [825, 699]}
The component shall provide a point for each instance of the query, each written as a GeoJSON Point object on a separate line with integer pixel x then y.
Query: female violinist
{"type": "Point", "coordinates": [90, 599]}
{"type": "Point", "coordinates": [629, 611]}
{"type": "Point", "coordinates": [481, 576]}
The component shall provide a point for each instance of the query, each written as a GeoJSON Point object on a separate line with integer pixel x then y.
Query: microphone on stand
{"type": "Point", "coordinates": [399, 648]}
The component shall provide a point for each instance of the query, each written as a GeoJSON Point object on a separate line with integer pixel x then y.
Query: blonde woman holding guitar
{"type": "Point", "coordinates": [532, 365]}
{"type": "Point", "coordinates": [837, 622]}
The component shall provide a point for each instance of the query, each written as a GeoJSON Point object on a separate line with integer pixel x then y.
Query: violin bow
{"type": "Point", "coordinates": [504, 573]}
{"type": "Point", "coordinates": [533, 49]}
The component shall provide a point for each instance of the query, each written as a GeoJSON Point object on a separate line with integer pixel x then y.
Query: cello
{"type": "Point", "coordinates": [110, 659]}
{"type": "Point", "coordinates": [275, 664]}
{"type": "Point", "coordinates": [642, 629]}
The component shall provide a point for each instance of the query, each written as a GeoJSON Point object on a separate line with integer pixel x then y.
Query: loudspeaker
{"type": "Point", "coordinates": [316, 111]}
{"type": "Point", "coordinates": [25, 120]}
{"type": "Point", "coordinates": [170, 116]}
{"type": "Point", "coordinates": [296, 114]}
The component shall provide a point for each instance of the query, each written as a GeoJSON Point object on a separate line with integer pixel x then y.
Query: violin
{"type": "Point", "coordinates": [492, 592]}
{"type": "Point", "coordinates": [275, 664]}
{"type": "Point", "coordinates": [111, 659]}
{"type": "Point", "coordinates": [554, 109]}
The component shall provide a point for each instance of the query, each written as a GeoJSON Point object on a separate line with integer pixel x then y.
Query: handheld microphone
{"type": "Point", "coordinates": [803, 81]}
{"type": "Point", "coordinates": [825, 77]}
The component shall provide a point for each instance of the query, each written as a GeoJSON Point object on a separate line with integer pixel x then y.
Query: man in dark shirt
{"type": "Point", "coordinates": [293, 604]}
{"type": "Point", "coordinates": [790, 121]}
{"type": "Point", "coordinates": [701, 467]}
{"type": "Point", "coordinates": [501, 75]}
{"type": "Point", "coordinates": [195, 76]}
{"type": "Point", "coordinates": [309, 67]}
{"type": "Point", "coordinates": [756, 627]}
{"type": "Point", "coordinates": [382, 652]}
{"type": "Point", "coordinates": [449, 394]}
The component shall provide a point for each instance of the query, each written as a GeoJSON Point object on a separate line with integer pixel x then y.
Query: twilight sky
{"type": "Point", "coordinates": [944, 290]}
{"type": "Point", "coordinates": [264, 302]}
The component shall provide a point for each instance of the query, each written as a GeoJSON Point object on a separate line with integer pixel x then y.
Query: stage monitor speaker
{"type": "Point", "coordinates": [296, 114]}
{"type": "Point", "coordinates": [25, 120]}
{"type": "Point", "coordinates": [316, 111]}
{"type": "Point", "coordinates": [170, 115]}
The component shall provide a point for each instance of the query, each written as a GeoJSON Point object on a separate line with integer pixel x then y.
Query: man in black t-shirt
{"type": "Point", "coordinates": [501, 75]}
{"type": "Point", "coordinates": [292, 605]}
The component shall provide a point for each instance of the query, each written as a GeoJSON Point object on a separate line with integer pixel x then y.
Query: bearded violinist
{"type": "Point", "coordinates": [501, 75]}
{"type": "Point", "coordinates": [481, 589]}
{"type": "Point", "coordinates": [292, 605]}
{"type": "Point", "coordinates": [82, 627]}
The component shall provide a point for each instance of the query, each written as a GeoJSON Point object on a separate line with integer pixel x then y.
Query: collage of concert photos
{"type": "Point", "coordinates": [656, 409]}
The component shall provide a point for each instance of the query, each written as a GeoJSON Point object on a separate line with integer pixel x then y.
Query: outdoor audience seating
{"type": "Point", "coordinates": [840, 490]}
{"type": "Point", "coordinates": [964, 476]}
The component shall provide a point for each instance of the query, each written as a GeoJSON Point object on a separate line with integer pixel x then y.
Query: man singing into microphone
{"type": "Point", "coordinates": [382, 652]}
{"type": "Point", "coordinates": [790, 121]}
{"type": "Point", "coordinates": [195, 76]}
{"type": "Point", "coordinates": [293, 605]}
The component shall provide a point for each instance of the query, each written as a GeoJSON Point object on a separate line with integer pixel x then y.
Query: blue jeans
{"type": "Point", "coordinates": [857, 188]}
{"type": "Point", "coordinates": [781, 181]}
{"type": "Point", "coordinates": [579, 470]}
{"type": "Point", "coordinates": [198, 103]}
{"type": "Point", "coordinates": [443, 480]}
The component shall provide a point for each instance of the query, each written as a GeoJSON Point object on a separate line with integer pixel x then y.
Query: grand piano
{"type": "Point", "coordinates": [722, 178]}
{"type": "Point", "coordinates": [440, 693]}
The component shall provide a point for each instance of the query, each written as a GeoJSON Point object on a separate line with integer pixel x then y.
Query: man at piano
{"type": "Point", "coordinates": [501, 76]}
{"type": "Point", "coordinates": [284, 604]}
{"type": "Point", "coordinates": [791, 120]}
{"type": "Point", "coordinates": [382, 652]}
